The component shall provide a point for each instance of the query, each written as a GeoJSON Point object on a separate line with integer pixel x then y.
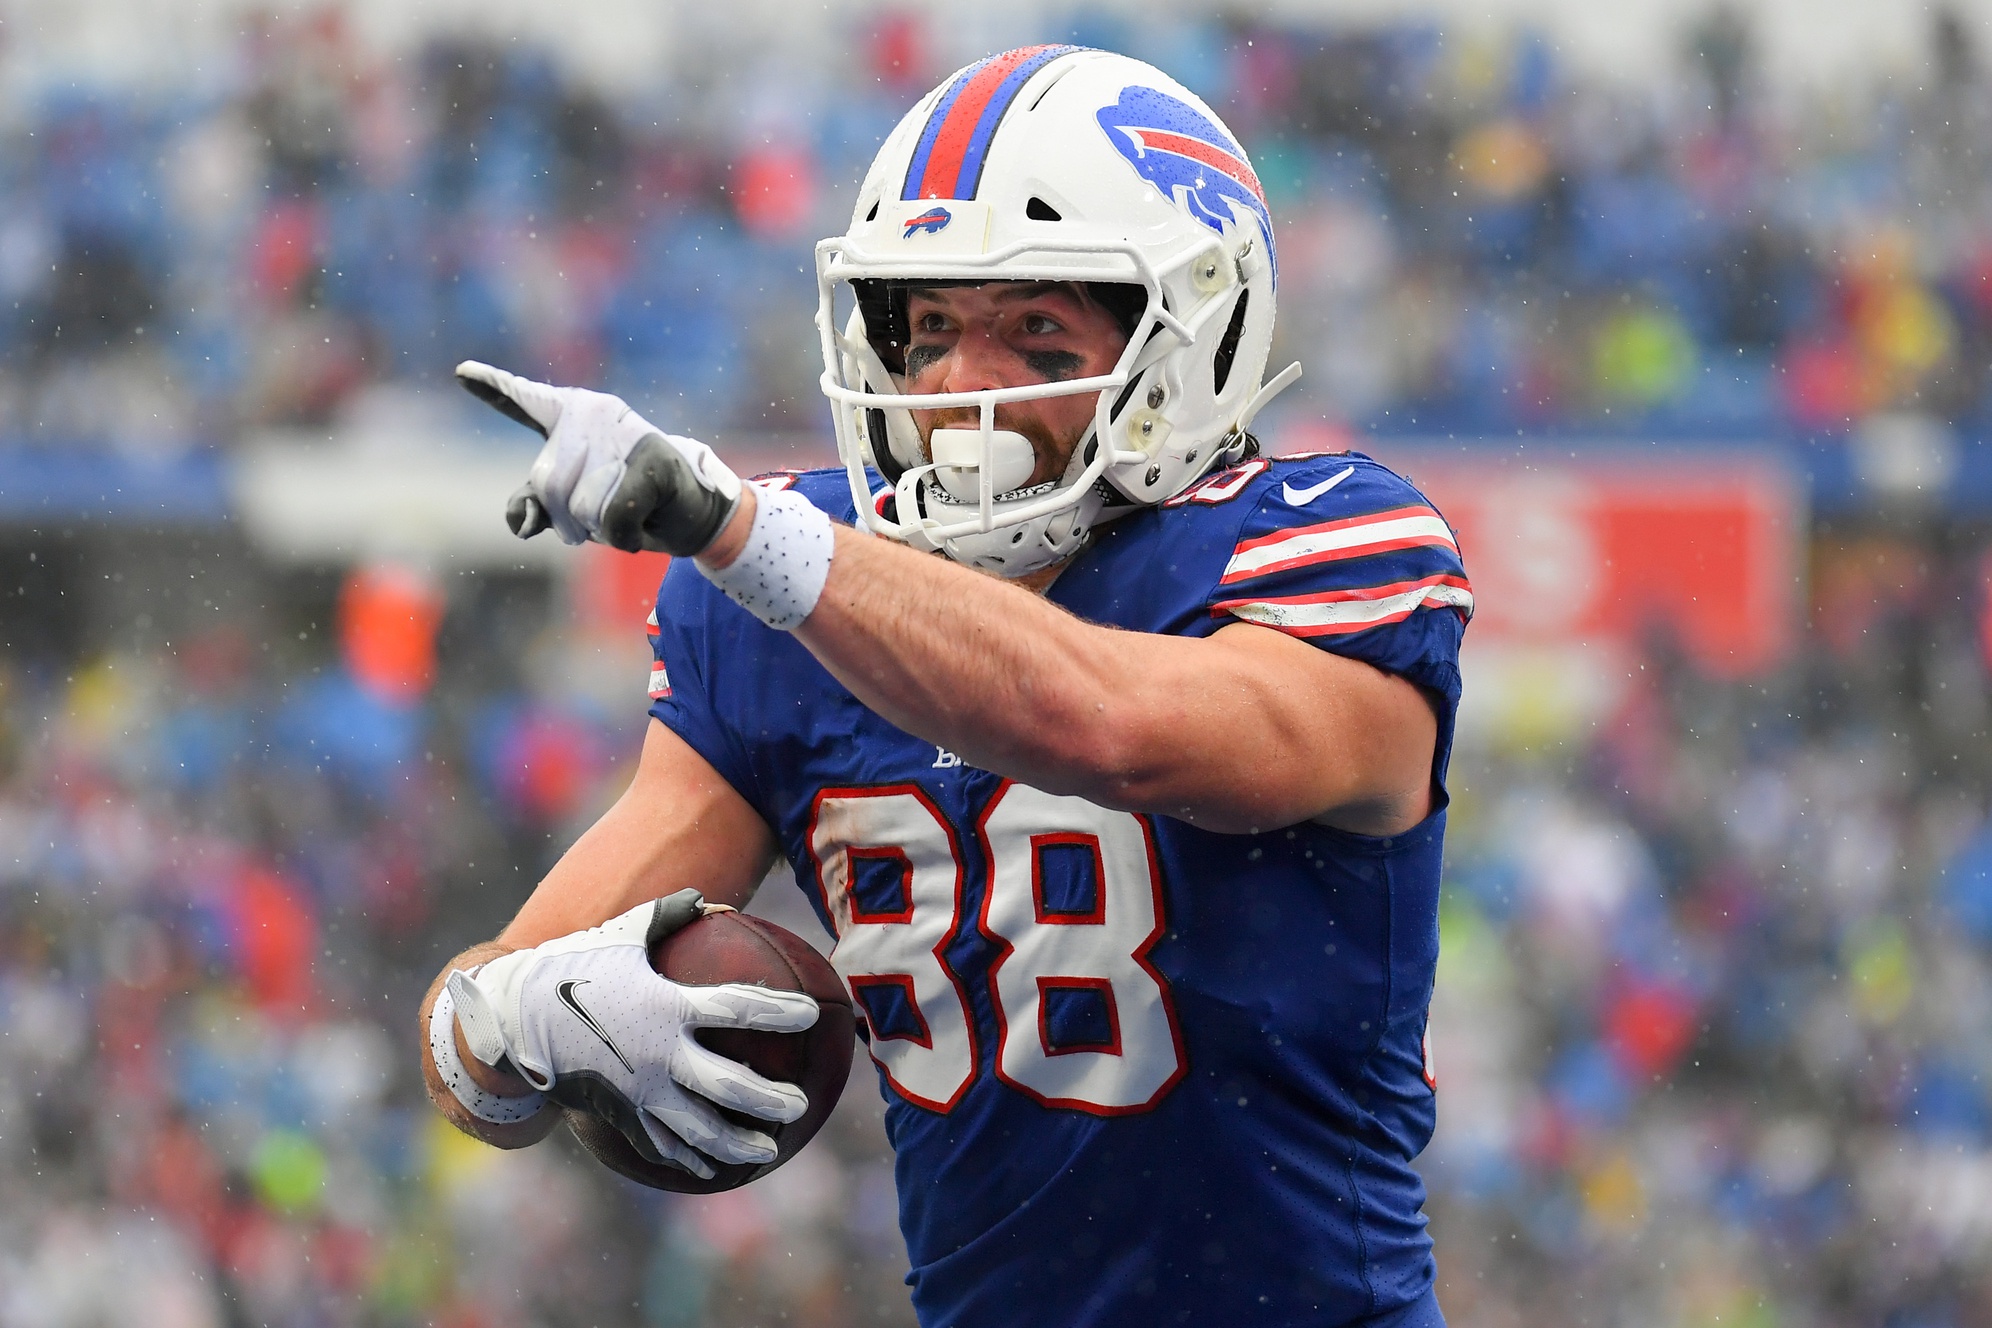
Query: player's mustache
{"type": "Point", "coordinates": [965, 417]}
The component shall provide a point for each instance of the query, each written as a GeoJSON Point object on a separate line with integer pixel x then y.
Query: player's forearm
{"type": "Point", "coordinates": [1243, 730]}
{"type": "Point", "coordinates": [517, 1134]}
{"type": "Point", "coordinates": [1014, 684]}
{"type": "Point", "coordinates": [678, 824]}
{"type": "Point", "coordinates": [991, 671]}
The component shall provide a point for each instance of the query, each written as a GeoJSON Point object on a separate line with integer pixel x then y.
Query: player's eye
{"type": "Point", "coordinates": [1038, 325]}
{"type": "Point", "coordinates": [931, 323]}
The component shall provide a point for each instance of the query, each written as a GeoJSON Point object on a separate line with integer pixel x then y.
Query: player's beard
{"type": "Point", "coordinates": [1054, 454]}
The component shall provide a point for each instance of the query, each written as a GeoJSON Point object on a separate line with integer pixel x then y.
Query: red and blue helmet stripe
{"type": "Point", "coordinates": [947, 161]}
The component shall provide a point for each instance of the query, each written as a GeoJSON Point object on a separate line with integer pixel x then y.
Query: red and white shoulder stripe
{"type": "Point", "coordinates": [1341, 612]}
{"type": "Point", "coordinates": [776, 480]}
{"type": "Point", "coordinates": [660, 681]}
{"type": "Point", "coordinates": [1332, 541]}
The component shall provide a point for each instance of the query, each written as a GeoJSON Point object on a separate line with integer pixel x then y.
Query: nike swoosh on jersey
{"type": "Point", "coordinates": [565, 991]}
{"type": "Point", "coordinates": [1302, 497]}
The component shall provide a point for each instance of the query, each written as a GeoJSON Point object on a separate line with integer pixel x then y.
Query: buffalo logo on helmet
{"type": "Point", "coordinates": [1188, 157]}
{"type": "Point", "coordinates": [932, 221]}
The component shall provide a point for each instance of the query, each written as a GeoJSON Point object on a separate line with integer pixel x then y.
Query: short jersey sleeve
{"type": "Point", "coordinates": [1343, 553]}
{"type": "Point", "coordinates": [714, 666]}
{"type": "Point", "coordinates": [681, 671]}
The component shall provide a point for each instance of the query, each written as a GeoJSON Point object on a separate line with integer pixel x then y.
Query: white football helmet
{"type": "Point", "coordinates": [1052, 163]}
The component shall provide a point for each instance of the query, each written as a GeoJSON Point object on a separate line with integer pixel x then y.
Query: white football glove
{"type": "Point", "coordinates": [606, 473]}
{"type": "Point", "coordinates": [585, 1019]}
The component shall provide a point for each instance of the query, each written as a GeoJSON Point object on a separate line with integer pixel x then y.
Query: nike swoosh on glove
{"type": "Point", "coordinates": [606, 473]}
{"type": "Point", "coordinates": [585, 1019]}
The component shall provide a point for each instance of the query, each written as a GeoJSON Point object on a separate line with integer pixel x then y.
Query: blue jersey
{"type": "Point", "coordinates": [1136, 1072]}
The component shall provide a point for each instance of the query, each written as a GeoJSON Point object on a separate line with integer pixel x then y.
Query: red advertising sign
{"type": "Point", "coordinates": [1613, 548]}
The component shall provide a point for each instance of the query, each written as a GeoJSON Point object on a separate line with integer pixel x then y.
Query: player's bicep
{"type": "Point", "coordinates": [1332, 738]}
{"type": "Point", "coordinates": [678, 824]}
{"type": "Point", "coordinates": [1345, 596]}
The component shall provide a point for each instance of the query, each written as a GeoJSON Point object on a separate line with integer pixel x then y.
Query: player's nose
{"type": "Point", "coordinates": [979, 361]}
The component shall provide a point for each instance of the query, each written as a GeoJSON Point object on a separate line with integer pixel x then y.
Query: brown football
{"type": "Point", "coordinates": [734, 947]}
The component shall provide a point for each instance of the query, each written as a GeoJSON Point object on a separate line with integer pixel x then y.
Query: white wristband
{"type": "Point", "coordinates": [779, 575]}
{"type": "Point", "coordinates": [486, 1106]}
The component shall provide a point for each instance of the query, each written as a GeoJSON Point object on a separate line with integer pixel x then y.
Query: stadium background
{"type": "Point", "coordinates": [1683, 316]}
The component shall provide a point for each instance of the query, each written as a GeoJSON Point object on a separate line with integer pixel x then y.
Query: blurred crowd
{"type": "Point", "coordinates": [1474, 237]}
{"type": "Point", "coordinates": [1711, 1031]}
{"type": "Point", "coordinates": [231, 869]}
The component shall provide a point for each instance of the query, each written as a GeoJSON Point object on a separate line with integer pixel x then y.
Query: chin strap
{"type": "Point", "coordinates": [1240, 444]}
{"type": "Point", "coordinates": [1279, 383]}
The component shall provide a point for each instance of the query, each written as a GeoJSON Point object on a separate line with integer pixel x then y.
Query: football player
{"type": "Point", "coordinates": [1111, 751]}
